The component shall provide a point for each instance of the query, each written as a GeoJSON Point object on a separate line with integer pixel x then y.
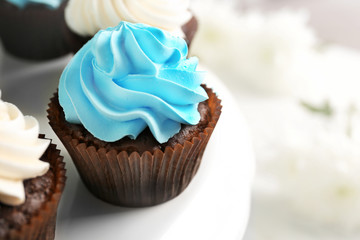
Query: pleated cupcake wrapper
{"type": "Point", "coordinates": [35, 32]}
{"type": "Point", "coordinates": [42, 225]}
{"type": "Point", "coordinates": [135, 180]}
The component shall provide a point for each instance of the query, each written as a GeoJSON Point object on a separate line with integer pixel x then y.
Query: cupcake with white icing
{"type": "Point", "coordinates": [33, 29]}
{"type": "Point", "coordinates": [32, 177]}
{"type": "Point", "coordinates": [85, 18]}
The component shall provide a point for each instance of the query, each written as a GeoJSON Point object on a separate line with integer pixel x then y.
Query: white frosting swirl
{"type": "Point", "coordinates": [20, 150]}
{"type": "Point", "coordinates": [86, 17]}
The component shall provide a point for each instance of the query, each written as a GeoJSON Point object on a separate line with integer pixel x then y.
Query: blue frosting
{"type": "Point", "coordinates": [129, 77]}
{"type": "Point", "coordinates": [50, 3]}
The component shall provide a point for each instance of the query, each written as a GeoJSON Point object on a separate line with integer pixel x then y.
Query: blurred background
{"type": "Point", "coordinates": [334, 21]}
{"type": "Point", "coordinates": [293, 67]}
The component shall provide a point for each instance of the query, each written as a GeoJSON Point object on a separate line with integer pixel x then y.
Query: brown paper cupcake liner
{"type": "Point", "coordinates": [133, 179]}
{"type": "Point", "coordinates": [42, 225]}
{"type": "Point", "coordinates": [35, 32]}
{"type": "Point", "coordinates": [190, 29]}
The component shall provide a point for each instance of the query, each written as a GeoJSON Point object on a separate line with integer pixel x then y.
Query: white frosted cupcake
{"type": "Point", "coordinates": [85, 18]}
{"type": "Point", "coordinates": [32, 177]}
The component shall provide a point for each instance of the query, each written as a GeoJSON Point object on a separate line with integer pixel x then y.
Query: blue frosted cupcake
{"type": "Point", "coordinates": [134, 115]}
{"type": "Point", "coordinates": [33, 29]}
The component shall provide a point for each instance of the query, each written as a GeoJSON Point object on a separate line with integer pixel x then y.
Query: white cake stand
{"type": "Point", "coordinates": [214, 206]}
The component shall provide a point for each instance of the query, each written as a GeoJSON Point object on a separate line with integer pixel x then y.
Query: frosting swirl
{"type": "Point", "coordinates": [50, 3]}
{"type": "Point", "coordinates": [130, 77]}
{"type": "Point", "coordinates": [86, 17]}
{"type": "Point", "coordinates": [20, 150]}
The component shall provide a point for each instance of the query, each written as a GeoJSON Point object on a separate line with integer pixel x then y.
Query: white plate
{"type": "Point", "coordinates": [214, 206]}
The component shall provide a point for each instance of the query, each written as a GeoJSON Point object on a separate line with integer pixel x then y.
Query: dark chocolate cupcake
{"type": "Point", "coordinates": [32, 178]}
{"type": "Point", "coordinates": [133, 115]}
{"type": "Point", "coordinates": [174, 17]}
{"type": "Point", "coordinates": [34, 30]}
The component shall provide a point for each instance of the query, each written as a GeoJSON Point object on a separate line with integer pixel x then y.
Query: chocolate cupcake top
{"type": "Point", "coordinates": [129, 77]}
{"type": "Point", "coordinates": [20, 150]}
{"type": "Point", "coordinates": [86, 17]}
{"type": "Point", "coordinates": [53, 4]}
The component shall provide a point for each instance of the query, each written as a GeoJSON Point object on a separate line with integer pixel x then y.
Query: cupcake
{"type": "Point", "coordinates": [32, 178]}
{"type": "Point", "coordinates": [33, 29]}
{"type": "Point", "coordinates": [133, 115]}
{"type": "Point", "coordinates": [85, 18]}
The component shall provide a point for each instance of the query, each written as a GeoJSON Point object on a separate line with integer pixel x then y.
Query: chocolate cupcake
{"type": "Point", "coordinates": [85, 20]}
{"type": "Point", "coordinates": [32, 178]}
{"type": "Point", "coordinates": [33, 29]}
{"type": "Point", "coordinates": [133, 115]}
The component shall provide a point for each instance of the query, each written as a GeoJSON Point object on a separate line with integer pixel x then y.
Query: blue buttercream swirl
{"type": "Point", "coordinates": [50, 3]}
{"type": "Point", "coordinates": [129, 77]}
